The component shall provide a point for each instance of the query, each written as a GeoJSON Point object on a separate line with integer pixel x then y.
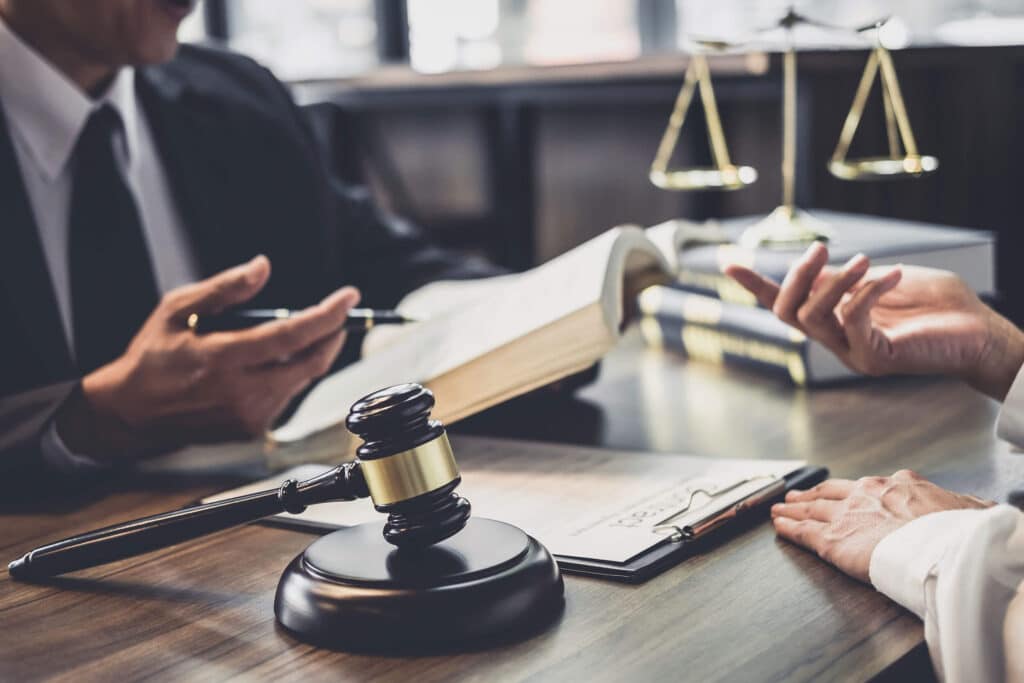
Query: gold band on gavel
{"type": "Point", "coordinates": [410, 473]}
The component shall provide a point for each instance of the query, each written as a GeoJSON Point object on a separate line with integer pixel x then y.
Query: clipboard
{"type": "Point", "coordinates": [595, 509]}
{"type": "Point", "coordinates": [690, 541]}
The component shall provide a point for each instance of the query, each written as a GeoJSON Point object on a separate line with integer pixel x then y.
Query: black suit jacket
{"type": "Point", "coordinates": [247, 178]}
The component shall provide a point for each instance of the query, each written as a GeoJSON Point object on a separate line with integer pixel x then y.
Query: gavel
{"type": "Point", "coordinates": [405, 465]}
{"type": "Point", "coordinates": [431, 577]}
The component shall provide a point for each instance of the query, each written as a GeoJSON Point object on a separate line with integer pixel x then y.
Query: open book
{"type": "Point", "coordinates": [481, 343]}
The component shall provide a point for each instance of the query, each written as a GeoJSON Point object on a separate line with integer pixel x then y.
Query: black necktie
{"type": "Point", "coordinates": [113, 289]}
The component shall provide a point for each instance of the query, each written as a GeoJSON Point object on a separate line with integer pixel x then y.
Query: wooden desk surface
{"type": "Point", "coordinates": [755, 608]}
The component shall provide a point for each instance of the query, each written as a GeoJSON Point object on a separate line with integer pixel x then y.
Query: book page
{"type": "Point", "coordinates": [516, 307]}
{"type": "Point", "coordinates": [432, 301]}
{"type": "Point", "coordinates": [580, 502]}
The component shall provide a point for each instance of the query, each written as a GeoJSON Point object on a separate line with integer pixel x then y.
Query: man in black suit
{"type": "Point", "coordinates": [135, 177]}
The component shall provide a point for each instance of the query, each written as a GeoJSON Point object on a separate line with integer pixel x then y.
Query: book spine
{"type": "Point", "coordinates": [688, 308]}
{"type": "Point", "coordinates": [711, 259]}
{"type": "Point", "coordinates": [726, 348]}
{"type": "Point", "coordinates": [714, 285]}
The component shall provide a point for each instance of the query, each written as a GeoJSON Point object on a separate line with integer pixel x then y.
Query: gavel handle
{"type": "Point", "coordinates": [158, 531]}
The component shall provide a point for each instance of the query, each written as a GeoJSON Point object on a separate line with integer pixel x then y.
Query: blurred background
{"type": "Point", "coordinates": [520, 128]}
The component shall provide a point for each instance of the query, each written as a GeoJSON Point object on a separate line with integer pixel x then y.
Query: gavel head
{"type": "Point", "coordinates": [408, 465]}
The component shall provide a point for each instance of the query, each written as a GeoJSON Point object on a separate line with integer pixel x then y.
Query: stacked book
{"type": "Point", "coordinates": [708, 316]}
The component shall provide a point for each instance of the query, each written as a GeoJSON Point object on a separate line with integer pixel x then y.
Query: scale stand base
{"type": "Point", "coordinates": [351, 590]}
{"type": "Point", "coordinates": [785, 228]}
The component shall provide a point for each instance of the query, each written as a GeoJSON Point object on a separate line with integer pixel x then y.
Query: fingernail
{"type": "Point", "coordinates": [252, 265]}
{"type": "Point", "coordinates": [856, 260]}
{"type": "Point", "coordinates": [892, 276]}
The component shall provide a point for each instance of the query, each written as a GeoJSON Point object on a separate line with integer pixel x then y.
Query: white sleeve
{"type": "Point", "coordinates": [1010, 425]}
{"type": "Point", "coordinates": [57, 455]}
{"type": "Point", "coordinates": [958, 570]}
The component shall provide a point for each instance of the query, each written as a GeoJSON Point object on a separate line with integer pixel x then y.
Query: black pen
{"type": "Point", "coordinates": [240, 319]}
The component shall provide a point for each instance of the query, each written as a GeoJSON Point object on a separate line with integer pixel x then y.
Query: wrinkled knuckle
{"type": "Point", "coordinates": [872, 482]}
{"type": "Point", "coordinates": [906, 474]}
{"type": "Point", "coordinates": [801, 531]}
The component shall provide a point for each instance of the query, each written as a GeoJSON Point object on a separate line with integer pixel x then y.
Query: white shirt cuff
{"type": "Point", "coordinates": [904, 560]}
{"type": "Point", "coordinates": [57, 455]}
{"type": "Point", "coordinates": [1010, 425]}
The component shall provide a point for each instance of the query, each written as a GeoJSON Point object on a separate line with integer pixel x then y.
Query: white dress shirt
{"type": "Point", "coordinates": [958, 570]}
{"type": "Point", "coordinates": [45, 113]}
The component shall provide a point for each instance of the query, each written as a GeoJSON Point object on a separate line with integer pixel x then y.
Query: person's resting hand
{"type": "Point", "coordinates": [172, 387]}
{"type": "Point", "coordinates": [895, 320]}
{"type": "Point", "coordinates": [842, 520]}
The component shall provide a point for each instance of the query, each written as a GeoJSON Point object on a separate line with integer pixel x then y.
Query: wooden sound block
{"type": "Point", "coordinates": [351, 590]}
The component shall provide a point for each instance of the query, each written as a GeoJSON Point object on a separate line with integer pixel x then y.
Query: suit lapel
{"type": "Point", "coordinates": [27, 298]}
{"type": "Point", "coordinates": [239, 179]}
{"type": "Point", "coordinates": [185, 127]}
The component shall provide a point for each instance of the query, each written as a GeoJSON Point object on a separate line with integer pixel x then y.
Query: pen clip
{"type": "Point", "coordinates": [687, 532]}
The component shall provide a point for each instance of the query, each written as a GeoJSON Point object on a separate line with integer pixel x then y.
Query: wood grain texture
{"type": "Point", "coordinates": [751, 608]}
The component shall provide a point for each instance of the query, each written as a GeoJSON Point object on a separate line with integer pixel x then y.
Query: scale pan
{"type": "Point", "coordinates": [725, 178]}
{"type": "Point", "coordinates": [871, 168]}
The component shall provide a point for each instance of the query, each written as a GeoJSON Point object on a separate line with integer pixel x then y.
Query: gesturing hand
{"type": "Point", "coordinates": [842, 520]}
{"type": "Point", "coordinates": [893, 320]}
{"type": "Point", "coordinates": [172, 387]}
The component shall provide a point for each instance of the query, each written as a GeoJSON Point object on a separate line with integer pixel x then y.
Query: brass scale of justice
{"type": "Point", "coordinates": [787, 226]}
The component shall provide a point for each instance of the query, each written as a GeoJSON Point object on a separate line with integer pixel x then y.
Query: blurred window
{"type": "Point", "coordinates": [479, 34]}
{"type": "Point", "coordinates": [306, 39]}
{"type": "Point", "coordinates": [312, 39]}
{"type": "Point", "coordinates": [919, 22]}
